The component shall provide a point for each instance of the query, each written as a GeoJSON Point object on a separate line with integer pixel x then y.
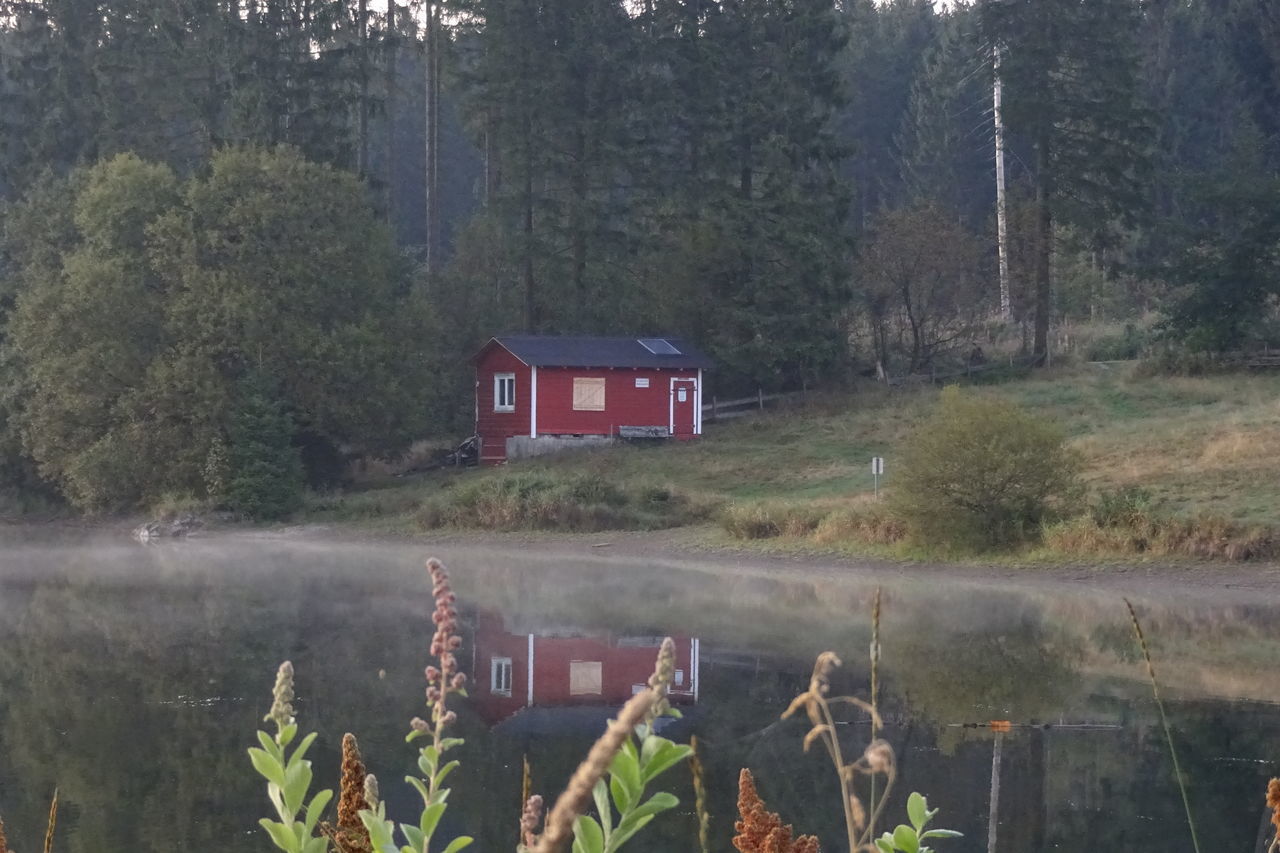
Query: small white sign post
{"type": "Point", "coordinates": [877, 470]}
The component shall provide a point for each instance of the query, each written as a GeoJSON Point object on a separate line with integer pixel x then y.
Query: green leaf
{"type": "Point", "coordinates": [601, 794]}
{"type": "Point", "coordinates": [427, 761]}
{"type": "Point", "coordinates": [449, 743]}
{"type": "Point", "coordinates": [668, 755]}
{"type": "Point", "coordinates": [269, 744]}
{"type": "Point", "coordinates": [656, 804]}
{"type": "Point", "coordinates": [297, 779]}
{"type": "Point", "coordinates": [587, 836]}
{"type": "Point", "coordinates": [458, 843]}
{"type": "Point", "coordinates": [380, 832]}
{"type": "Point", "coordinates": [318, 802]}
{"type": "Point", "coordinates": [626, 770]}
{"type": "Point", "coordinates": [280, 834]}
{"type": "Point", "coordinates": [619, 791]}
{"type": "Point", "coordinates": [885, 844]}
{"type": "Point", "coordinates": [904, 838]}
{"type": "Point", "coordinates": [420, 787]}
{"type": "Point", "coordinates": [417, 840]}
{"type": "Point", "coordinates": [266, 766]}
{"type": "Point", "coordinates": [917, 810]}
{"type": "Point", "coordinates": [430, 818]}
{"type": "Point", "coordinates": [287, 734]}
{"type": "Point", "coordinates": [445, 771]}
{"type": "Point", "coordinates": [626, 830]}
{"type": "Point", "coordinates": [301, 751]}
{"type": "Point", "coordinates": [316, 845]}
{"type": "Point", "coordinates": [942, 833]}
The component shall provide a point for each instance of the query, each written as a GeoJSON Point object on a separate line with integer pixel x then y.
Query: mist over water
{"type": "Point", "coordinates": [133, 678]}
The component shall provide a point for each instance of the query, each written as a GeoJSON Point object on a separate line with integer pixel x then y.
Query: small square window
{"type": "Point", "coordinates": [504, 392]}
{"type": "Point", "coordinates": [500, 676]}
{"type": "Point", "coordinates": [585, 678]}
{"type": "Point", "coordinates": [588, 394]}
{"type": "Point", "coordinates": [679, 679]}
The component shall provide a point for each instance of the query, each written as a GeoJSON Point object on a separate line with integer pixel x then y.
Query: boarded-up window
{"type": "Point", "coordinates": [588, 394]}
{"type": "Point", "coordinates": [585, 678]}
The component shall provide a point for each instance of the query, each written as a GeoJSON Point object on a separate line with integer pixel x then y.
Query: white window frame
{"type": "Point", "coordinates": [499, 379]}
{"type": "Point", "coordinates": [496, 666]}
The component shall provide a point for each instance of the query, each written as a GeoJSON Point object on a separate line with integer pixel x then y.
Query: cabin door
{"type": "Point", "coordinates": [684, 407]}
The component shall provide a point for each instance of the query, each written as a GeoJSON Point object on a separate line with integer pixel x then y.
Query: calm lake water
{"type": "Point", "coordinates": [133, 678]}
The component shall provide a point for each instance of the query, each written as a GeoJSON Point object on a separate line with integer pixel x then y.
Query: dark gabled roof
{"type": "Point", "coordinates": [563, 351]}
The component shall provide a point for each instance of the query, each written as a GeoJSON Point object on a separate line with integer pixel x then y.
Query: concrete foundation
{"type": "Point", "coordinates": [523, 446]}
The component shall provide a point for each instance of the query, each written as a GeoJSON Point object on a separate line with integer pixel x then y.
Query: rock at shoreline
{"type": "Point", "coordinates": [171, 528]}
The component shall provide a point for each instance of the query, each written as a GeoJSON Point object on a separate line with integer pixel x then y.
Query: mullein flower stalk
{"type": "Point", "coordinates": [699, 774]}
{"type": "Point", "coordinates": [760, 830]}
{"type": "Point", "coordinates": [529, 820]}
{"type": "Point", "coordinates": [288, 774]}
{"type": "Point", "coordinates": [443, 679]}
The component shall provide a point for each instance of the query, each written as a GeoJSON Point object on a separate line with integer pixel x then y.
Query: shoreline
{"type": "Point", "coordinates": [694, 548]}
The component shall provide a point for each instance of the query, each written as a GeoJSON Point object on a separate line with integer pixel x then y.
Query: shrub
{"type": "Point", "coordinates": [766, 521]}
{"type": "Point", "coordinates": [981, 472]}
{"type": "Point", "coordinates": [1142, 534]}
{"type": "Point", "coordinates": [1120, 506]}
{"type": "Point", "coordinates": [866, 525]}
{"type": "Point", "coordinates": [543, 501]}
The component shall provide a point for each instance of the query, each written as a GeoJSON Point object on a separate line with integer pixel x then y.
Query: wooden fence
{"type": "Point", "coordinates": [722, 410]}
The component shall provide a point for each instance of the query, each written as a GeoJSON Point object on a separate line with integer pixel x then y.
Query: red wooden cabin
{"type": "Point", "coordinates": [538, 393]}
{"type": "Point", "coordinates": [566, 668]}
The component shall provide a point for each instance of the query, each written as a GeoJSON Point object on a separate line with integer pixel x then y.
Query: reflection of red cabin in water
{"type": "Point", "coordinates": [536, 393]}
{"type": "Point", "coordinates": [562, 668]}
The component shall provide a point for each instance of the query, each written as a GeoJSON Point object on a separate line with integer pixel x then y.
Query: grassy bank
{"type": "Point", "coordinates": [1204, 453]}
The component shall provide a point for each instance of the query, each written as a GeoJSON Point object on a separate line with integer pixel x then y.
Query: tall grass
{"type": "Point", "coordinates": [1164, 722]}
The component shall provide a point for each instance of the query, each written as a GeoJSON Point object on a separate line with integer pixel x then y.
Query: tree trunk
{"type": "Point", "coordinates": [362, 146]}
{"type": "Point", "coordinates": [432, 105]}
{"type": "Point", "coordinates": [1044, 250]}
{"type": "Point", "coordinates": [390, 101]}
{"type": "Point", "coordinates": [530, 296]}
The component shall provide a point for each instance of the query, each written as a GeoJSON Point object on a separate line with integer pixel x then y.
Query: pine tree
{"type": "Point", "coordinates": [263, 469]}
{"type": "Point", "coordinates": [1070, 72]}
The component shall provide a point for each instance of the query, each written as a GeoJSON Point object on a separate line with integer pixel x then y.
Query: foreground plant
{"type": "Point", "coordinates": [288, 775]}
{"type": "Point", "coordinates": [760, 830]}
{"type": "Point", "coordinates": [632, 755]}
{"type": "Point", "coordinates": [876, 760]}
{"type": "Point", "coordinates": [442, 680]}
{"type": "Point", "coordinates": [910, 839]}
{"type": "Point", "coordinates": [1273, 803]}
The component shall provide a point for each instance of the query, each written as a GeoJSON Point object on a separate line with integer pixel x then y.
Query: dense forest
{"type": "Point", "coordinates": [232, 227]}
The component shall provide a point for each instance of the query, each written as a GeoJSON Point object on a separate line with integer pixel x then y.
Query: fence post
{"type": "Point", "coordinates": [713, 407]}
{"type": "Point", "coordinates": [760, 398]}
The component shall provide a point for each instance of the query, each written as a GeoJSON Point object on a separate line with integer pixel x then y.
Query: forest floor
{"type": "Point", "coordinates": [1201, 447]}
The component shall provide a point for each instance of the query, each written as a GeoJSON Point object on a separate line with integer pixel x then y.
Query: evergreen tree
{"type": "Point", "coordinates": [264, 469]}
{"type": "Point", "coordinates": [1070, 72]}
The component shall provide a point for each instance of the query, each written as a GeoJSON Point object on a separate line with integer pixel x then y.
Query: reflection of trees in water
{"type": "Point", "coordinates": [96, 651]}
{"type": "Point", "coordinates": [978, 660]}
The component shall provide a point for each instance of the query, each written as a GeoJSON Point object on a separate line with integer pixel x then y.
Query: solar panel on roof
{"type": "Point", "coordinates": [659, 346]}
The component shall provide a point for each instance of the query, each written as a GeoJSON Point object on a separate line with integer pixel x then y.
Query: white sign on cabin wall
{"type": "Point", "coordinates": [642, 381]}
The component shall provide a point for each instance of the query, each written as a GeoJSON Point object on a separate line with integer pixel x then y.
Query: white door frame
{"type": "Point", "coordinates": [671, 403]}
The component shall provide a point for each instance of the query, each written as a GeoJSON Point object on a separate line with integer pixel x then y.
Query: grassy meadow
{"type": "Point", "coordinates": [1206, 450]}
